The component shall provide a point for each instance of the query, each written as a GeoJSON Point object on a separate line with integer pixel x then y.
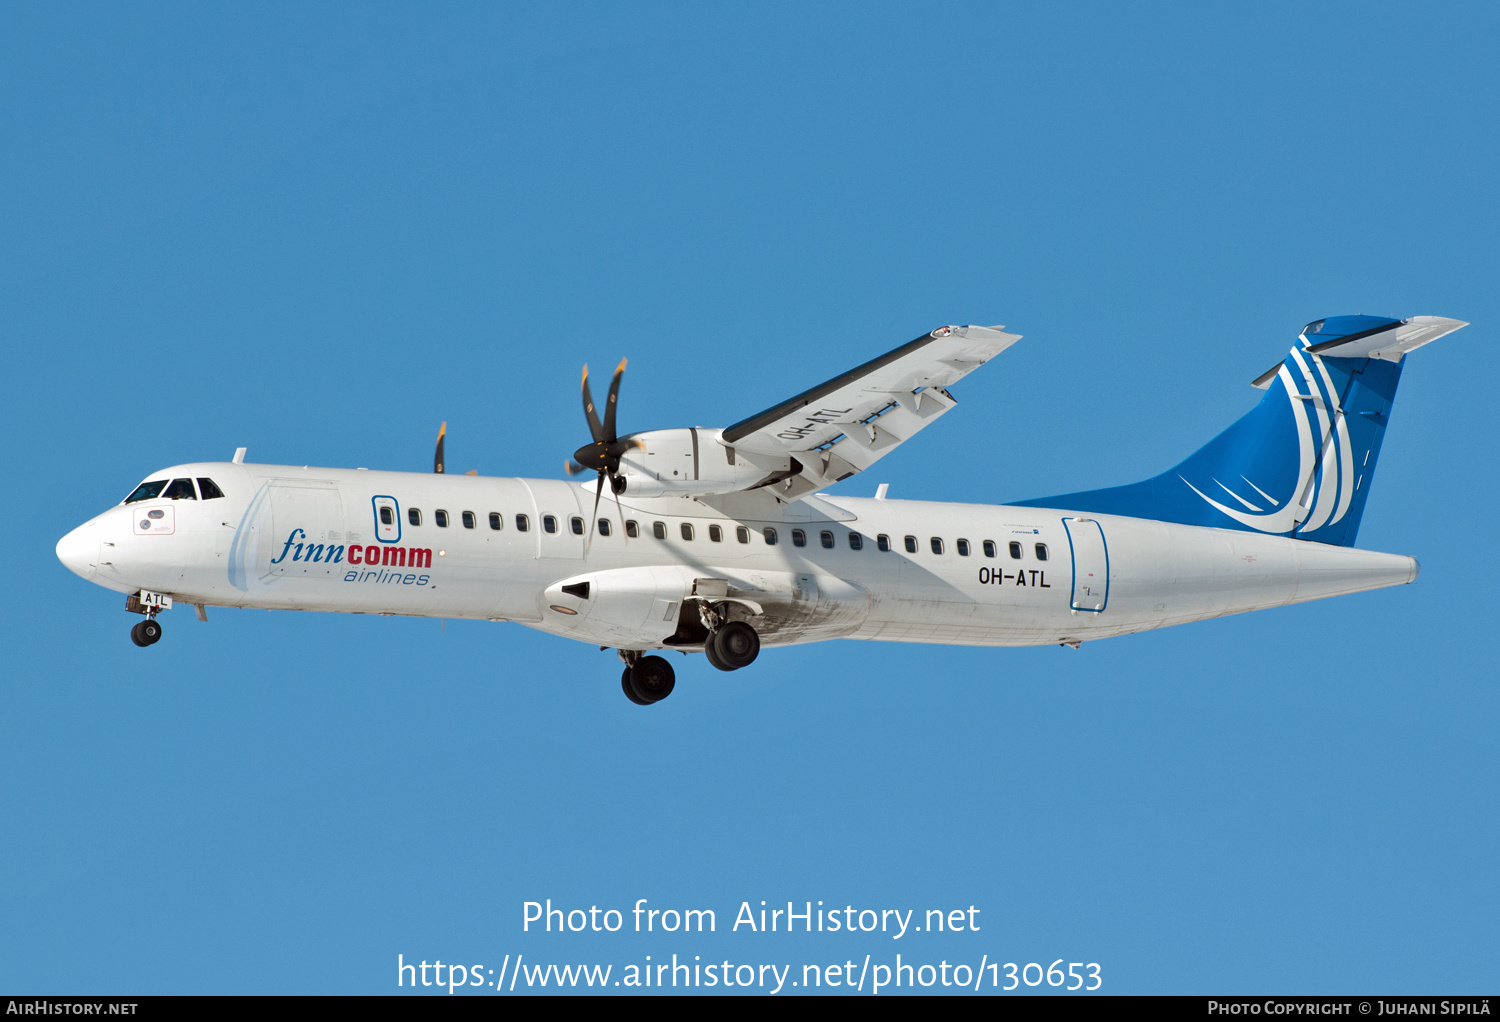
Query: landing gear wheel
{"type": "Point", "coordinates": [710, 650]}
{"type": "Point", "coordinates": [145, 633]}
{"type": "Point", "coordinates": [652, 679]}
{"type": "Point", "coordinates": [630, 690]}
{"type": "Point", "coordinates": [736, 644]}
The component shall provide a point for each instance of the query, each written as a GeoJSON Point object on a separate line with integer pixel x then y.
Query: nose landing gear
{"type": "Point", "coordinates": [147, 632]}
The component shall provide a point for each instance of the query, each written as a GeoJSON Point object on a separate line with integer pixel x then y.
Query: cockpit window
{"type": "Point", "coordinates": [209, 489]}
{"type": "Point", "coordinates": [147, 491]}
{"type": "Point", "coordinates": [181, 489]}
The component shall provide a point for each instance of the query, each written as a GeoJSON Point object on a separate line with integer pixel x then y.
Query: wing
{"type": "Point", "coordinates": [850, 422]}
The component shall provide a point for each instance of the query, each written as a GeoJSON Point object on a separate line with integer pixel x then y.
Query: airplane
{"type": "Point", "coordinates": [720, 540]}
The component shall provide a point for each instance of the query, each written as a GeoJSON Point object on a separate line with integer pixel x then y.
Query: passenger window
{"type": "Point", "coordinates": [770, 535]}
{"type": "Point", "coordinates": [989, 548]}
{"type": "Point", "coordinates": [632, 530]}
{"type": "Point", "coordinates": [937, 545]}
{"type": "Point", "coordinates": [549, 524]}
{"type": "Point", "coordinates": [826, 538]}
{"type": "Point", "coordinates": [523, 524]}
{"type": "Point", "coordinates": [742, 534]}
{"type": "Point", "coordinates": [496, 522]}
{"type": "Point", "coordinates": [715, 534]}
{"type": "Point", "coordinates": [856, 541]}
{"type": "Point", "coordinates": [883, 543]}
{"type": "Point", "coordinates": [387, 516]}
{"type": "Point", "coordinates": [208, 489]}
{"type": "Point", "coordinates": [799, 538]}
{"type": "Point", "coordinates": [963, 548]}
{"type": "Point", "coordinates": [659, 530]}
{"type": "Point", "coordinates": [604, 526]}
{"type": "Point", "coordinates": [1015, 551]}
{"type": "Point", "coordinates": [181, 489]}
{"type": "Point", "coordinates": [576, 524]}
{"type": "Point", "coordinates": [414, 516]}
{"type": "Point", "coordinates": [468, 519]}
{"type": "Point", "coordinates": [440, 518]}
{"type": "Point", "coordinates": [911, 544]}
{"type": "Point", "coordinates": [146, 491]}
{"type": "Point", "coordinates": [687, 531]}
{"type": "Point", "coordinates": [1041, 551]}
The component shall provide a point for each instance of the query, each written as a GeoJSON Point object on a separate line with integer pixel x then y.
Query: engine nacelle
{"type": "Point", "coordinates": [695, 461]}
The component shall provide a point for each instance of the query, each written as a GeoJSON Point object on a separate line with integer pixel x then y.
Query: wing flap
{"type": "Point", "coordinates": [846, 424]}
{"type": "Point", "coordinates": [851, 400]}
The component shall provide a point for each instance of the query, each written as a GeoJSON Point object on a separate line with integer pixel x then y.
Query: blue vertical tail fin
{"type": "Point", "coordinates": [1300, 462]}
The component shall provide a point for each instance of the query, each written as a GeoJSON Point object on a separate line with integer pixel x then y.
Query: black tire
{"type": "Point", "coordinates": [653, 679]}
{"type": "Point", "coordinates": [737, 645]}
{"type": "Point", "coordinates": [135, 634]}
{"type": "Point", "coordinates": [150, 632]}
{"type": "Point", "coordinates": [711, 651]}
{"type": "Point", "coordinates": [629, 689]}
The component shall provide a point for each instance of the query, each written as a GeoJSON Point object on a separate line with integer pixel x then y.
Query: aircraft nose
{"type": "Point", "coordinates": [79, 550]}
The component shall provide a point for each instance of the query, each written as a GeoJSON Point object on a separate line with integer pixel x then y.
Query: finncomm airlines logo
{"type": "Point", "coordinates": [371, 560]}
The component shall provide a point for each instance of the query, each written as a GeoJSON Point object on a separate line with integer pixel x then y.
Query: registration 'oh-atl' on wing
{"type": "Point", "coordinates": [721, 540]}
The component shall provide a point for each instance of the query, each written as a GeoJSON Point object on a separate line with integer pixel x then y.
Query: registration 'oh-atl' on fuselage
{"type": "Point", "coordinates": [719, 540]}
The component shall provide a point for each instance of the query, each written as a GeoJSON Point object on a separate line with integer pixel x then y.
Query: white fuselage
{"type": "Point", "coordinates": [299, 538]}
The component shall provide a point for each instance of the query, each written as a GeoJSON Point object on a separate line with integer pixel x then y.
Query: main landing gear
{"type": "Point", "coordinates": [647, 679]}
{"type": "Point", "coordinates": [731, 646]}
{"type": "Point", "coordinates": [650, 679]}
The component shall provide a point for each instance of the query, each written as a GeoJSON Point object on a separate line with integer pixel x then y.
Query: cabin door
{"type": "Point", "coordinates": [1090, 564]}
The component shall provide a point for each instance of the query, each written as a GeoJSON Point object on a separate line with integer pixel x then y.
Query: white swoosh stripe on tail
{"type": "Point", "coordinates": [1326, 493]}
{"type": "Point", "coordinates": [1263, 493]}
{"type": "Point", "coordinates": [1346, 450]}
{"type": "Point", "coordinates": [1237, 497]}
{"type": "Point", "coordinates": [1283, 519]}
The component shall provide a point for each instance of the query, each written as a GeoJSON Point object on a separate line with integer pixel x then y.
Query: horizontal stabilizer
{"type": "Point", "coordinates": [1367, 337]}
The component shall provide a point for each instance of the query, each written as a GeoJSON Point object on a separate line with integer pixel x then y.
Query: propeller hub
{"type": "Point", "coordinates": [595, 457]}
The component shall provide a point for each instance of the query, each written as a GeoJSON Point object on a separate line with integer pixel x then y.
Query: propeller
{"type": "Point", "coordinates": [437, 457]}
{"type": "Point", "coordinates": [604, 454]}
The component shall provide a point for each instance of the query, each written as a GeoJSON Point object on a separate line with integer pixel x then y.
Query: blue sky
{"type": "Point", "coordinates": [318, 231]}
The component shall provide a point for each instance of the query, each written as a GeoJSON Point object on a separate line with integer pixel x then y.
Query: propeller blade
{"type": "Point", "coordinates": [617, 450]}
{"type": "Point", "coordinates": [604, 452]}
{"type": "Point", "coordinates": [609, 405]}
{"type": "Point", "coordinates": [624, 532]}
{"type": "Point", "coordinates": [596, 428]}
{"type": "Point", "coordinates": [573, 468]}
{"type": "Point", "coordinates": [594, 518]}
{"type": "Point", "coordinates": [437, 458]}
